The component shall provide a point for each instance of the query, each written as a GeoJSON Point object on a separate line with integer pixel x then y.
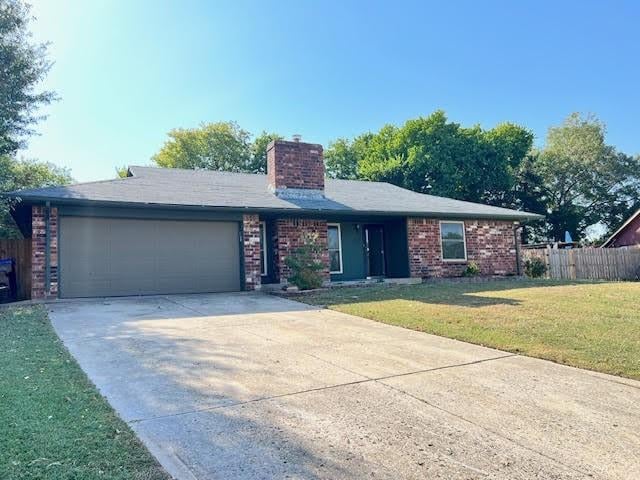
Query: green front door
{"type": "Point", "coordinates": [374, 242]}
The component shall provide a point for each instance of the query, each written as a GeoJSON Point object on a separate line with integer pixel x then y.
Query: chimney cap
{"type": "Point", "coordinates": [297, 137]}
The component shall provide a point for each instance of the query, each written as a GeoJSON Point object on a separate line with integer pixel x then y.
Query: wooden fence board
{"type": "Point", "coordinates": [590, 263]}
{"type": "Point", "coordinates": [20, 251]}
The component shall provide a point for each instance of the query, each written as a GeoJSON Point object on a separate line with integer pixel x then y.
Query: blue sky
{"type": "Point", "coordinates": [129, 71]}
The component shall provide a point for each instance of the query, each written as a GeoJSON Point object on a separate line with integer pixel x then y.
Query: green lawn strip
{"type": "Point", "coordinates": [592, 325]}
{"type": "Point", "coordinates": [53, 422]}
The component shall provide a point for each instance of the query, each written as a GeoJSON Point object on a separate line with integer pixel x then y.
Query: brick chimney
{"type": "Point", "coordinates": [295, 168]}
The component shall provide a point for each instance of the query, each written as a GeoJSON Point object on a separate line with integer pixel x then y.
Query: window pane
{"type": "Point", "coordinates": [333, 238]}
{"type": "Point", "coordinates": [453, 250]}
{"type": "Point", "coordinates": [334, 256]}
{"type": "Point", "coordinates": [452, 231]}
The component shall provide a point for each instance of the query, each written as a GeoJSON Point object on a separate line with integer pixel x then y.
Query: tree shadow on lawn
{"type": "Point", "coordinates": [463, 294]}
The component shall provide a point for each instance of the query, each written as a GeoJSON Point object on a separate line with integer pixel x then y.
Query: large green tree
{"type": "Point", "coordinates": [586, 181]}
{"type": "Point", "coordinates": [215, 146]}
{"type": "Point", "coordinates": [433, 155]}
{"type": "Point", "coordinates": [23, 65]}
{"type": "Point", "coordinates": [18, 174]}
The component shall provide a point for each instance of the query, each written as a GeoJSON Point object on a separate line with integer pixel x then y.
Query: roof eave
{"type": "Point", "coordinates": [622, 227]}
{"type": "Point", "coordinates": [113, 203]}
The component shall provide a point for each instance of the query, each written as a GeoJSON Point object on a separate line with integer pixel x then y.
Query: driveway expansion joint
{"type": "Point", "coordinates": [318, 389]}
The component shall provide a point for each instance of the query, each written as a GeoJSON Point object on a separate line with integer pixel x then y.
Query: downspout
{"type": "Point", "coordinates": [47, 249]}
{"type": "Point", "coordinates": [517, 227]}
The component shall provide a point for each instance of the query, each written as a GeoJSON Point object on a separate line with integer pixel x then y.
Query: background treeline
{"type": "Point", "coordinates": [576, 180]}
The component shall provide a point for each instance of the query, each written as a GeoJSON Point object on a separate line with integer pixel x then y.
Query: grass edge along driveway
{"type": "Point", "coordinates": [591, 325]}
{"type": "Point", "coordinates": [54, 424]}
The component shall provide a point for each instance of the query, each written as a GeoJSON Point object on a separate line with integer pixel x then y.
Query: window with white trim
{"type": "Point", "coordinates": [453, 241]}
{"type": "Point", "coordinates": [334, 242]}
{"type": "Point", "coordinates": [263, 248]}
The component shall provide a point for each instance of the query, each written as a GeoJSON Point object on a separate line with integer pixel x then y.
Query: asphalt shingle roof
{"type": "Point", "coordinates": [204, 188]}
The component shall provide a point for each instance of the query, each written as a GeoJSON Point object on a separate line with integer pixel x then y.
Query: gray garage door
{"type": "Point", "coordinates": [111, 257]}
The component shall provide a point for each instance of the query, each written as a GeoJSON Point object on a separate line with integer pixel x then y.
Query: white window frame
{"type": "Point", "coordinates": [464, 242]}
{"type": "Point", "coordinates": [263, 240]}
{"type": "Point", "coordinates": [337, 272]}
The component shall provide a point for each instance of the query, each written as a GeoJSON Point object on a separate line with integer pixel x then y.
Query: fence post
{"type": "Point", "coordinates": [572, 265]}
{"type": "Point", "coordinates": [547, 261]}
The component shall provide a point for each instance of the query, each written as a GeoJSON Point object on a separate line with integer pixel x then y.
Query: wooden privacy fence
{"type": "Point", "coordinates": [590, 263]}
{"type": "Point", "coordinates": [20, 251]}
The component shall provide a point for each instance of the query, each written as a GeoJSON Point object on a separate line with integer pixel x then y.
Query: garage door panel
{"type": "Point", "coordinates": [111, 257]}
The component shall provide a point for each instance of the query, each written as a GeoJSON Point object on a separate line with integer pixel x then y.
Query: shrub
{"type": "Point", "coordinates": [304, 264]}
{"type": "Point", "coordinates": [535, 267]}
{"type": "Point", "coordinates": [472, 270]}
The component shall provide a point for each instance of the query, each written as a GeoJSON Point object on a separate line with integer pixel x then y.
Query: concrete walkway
{"type": "Point", "coordinates": [252, 386]}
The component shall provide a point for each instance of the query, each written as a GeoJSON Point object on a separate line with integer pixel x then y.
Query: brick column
{"type": "Point", "coordinates": [291, 233]}
{"type": "Point", "coordinates": [251, 247]}
{"type": "Point", "coordinates": [423, 236]}
{"type": "Point", "coordinates": [39, 286]}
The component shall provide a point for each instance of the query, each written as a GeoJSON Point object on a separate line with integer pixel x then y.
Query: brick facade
{"type": "Point", "coordinates": [290, 235]}
{"type": "Point", "coordinates": [39, 287]}
{"type": "Point", "coordinates": [295, 165]}
{"type": "Point", "coordinates": [251, 250]}
{"type": "Point", "coordinates": [491, 244]}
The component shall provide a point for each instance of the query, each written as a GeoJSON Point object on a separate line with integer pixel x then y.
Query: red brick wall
{"type": "Point", "coordinates": [251, 247]}
{"type": "Point", "coordinates": [490, 244]}
{"type": "Point", "coordinates": [295, 165]}
{"type": "Point", "coordinates": [629, 236]}
{"type": "Point", "coordinates": [39, 289]}
{"type": "Point", "coordinates": [291, 234]}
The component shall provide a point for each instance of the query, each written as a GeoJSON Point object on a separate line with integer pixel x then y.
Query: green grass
{"type": "Point", "coordinates": [587, 325]}
{"type": "Point", "coordinates": [53, 422]}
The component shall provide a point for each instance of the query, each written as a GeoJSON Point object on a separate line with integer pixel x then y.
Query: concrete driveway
{"type": "Point", "coordinates": [252, 386]}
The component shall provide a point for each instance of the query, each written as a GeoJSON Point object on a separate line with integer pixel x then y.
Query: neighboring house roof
{"type": "Point", "coordinates": [235, 191]}
{"type": "Point", "coordinates": [622, 228]}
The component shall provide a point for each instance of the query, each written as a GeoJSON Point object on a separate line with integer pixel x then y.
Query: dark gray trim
{"type": "Point", "coordinates": [47, 249]}
{"type": "Point", "coordinates": [518, 253]}
{"type": "Point", "coordinates": [59, 256]}
{"type": "Point", "coordinates": [243, 275]}
{"type": "Point", "coordinates": [147, 213]}
{"type": "Point", "coordinates": [282, 212]}
{"type": "Point", "coordinates": [406, 228]}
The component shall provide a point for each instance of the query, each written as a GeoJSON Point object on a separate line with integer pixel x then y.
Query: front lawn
{"type": "Point", "coordinates": [53, 422]}
{"type": "Point", "coordinates": [588, 325]}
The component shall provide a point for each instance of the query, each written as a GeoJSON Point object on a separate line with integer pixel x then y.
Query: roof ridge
{"type": "Point", "coordinates": [227, 172]}
{"type": "Point", "coordinates": [195, 170]}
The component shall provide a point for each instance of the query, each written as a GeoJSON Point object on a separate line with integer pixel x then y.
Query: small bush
{"type": "Point", "coordinates": [304, 264]}
{"type": "Point", "coordinates": [535, 267]}
{"type": "Point", "coordinates": [472, 270]}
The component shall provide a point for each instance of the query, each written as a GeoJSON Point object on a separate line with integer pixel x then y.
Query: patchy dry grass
{"type": "Point", "coordinates": [588, 325]}
{"type": "Point", "coordinates": [53, 422]}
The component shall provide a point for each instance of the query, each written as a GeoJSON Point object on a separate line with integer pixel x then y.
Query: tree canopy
{"type": "Point", "coordinates": [435, 156]}
{"type": "Point", "coordinates": [215, 146]}
{"type": "Point", "coordinates": [23, 64]}
{"type": "Point", "coordinates": [18, 174]}
{"type": "Point", "coordinates": [576, 179]}
{"type": "Point", "coordinates": [584, 180]}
